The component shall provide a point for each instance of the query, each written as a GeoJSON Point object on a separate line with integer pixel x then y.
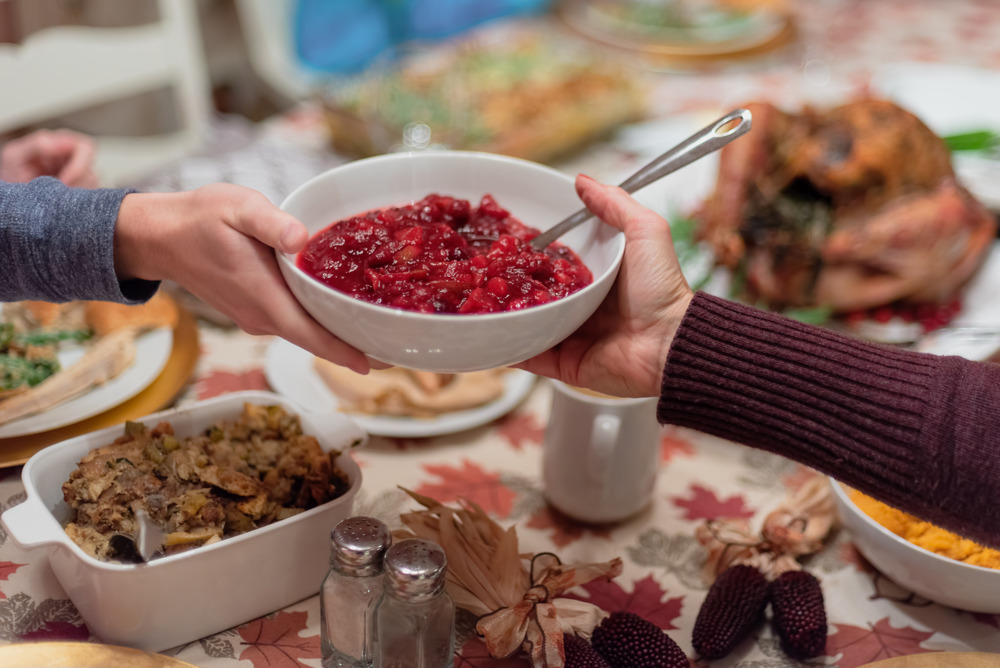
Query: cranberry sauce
{"type": "Point", "coordinates": [442, 255]}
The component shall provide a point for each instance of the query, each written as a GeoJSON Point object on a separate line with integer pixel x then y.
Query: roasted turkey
{"type": "Point", "coordinates": [851, 208]}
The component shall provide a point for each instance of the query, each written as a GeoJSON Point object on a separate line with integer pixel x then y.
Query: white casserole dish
{"type": "Point", "coordinates": [179, 598]}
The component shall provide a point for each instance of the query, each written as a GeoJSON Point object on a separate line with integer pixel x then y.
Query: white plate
{"type": "Point", "coordinates": [975, 331]}
{"type": "Point", "coordinates": [289, 371]}
{"type": "Point", "coordinates": [951, 99]}
{"type": "Point", "coordinates": [152, 350]}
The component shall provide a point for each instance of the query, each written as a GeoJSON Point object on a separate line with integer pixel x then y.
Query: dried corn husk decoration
{"type": "Point", "coordinates": [515, 596]}
{"type": "Point", "coordinates": [794, 529]}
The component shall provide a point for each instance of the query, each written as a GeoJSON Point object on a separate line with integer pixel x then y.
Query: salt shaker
{"type": "Point", "coordinates": [350, 591]}
{"type": "Point", "coordinates": [415, 618]}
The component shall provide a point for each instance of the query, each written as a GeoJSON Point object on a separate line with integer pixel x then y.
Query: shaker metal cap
{"type": "Point", "coordinates": [415, 568]}
{"type": "Point", "coordinates": [359, 544]}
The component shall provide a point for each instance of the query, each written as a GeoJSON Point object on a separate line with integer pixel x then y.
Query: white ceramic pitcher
{"type": "Point", "coordinates": [600, 454]}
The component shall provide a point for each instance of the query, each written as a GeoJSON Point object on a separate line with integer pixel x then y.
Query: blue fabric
{"type": "Point", "coordinates": [345, 36]}
{"type": "Point", "coordinates": [57, 244]}
{"type": "Point", "coordinates": [340, 36]}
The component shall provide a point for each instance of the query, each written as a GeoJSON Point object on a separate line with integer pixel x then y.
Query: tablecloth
{"type": "Point", "coordinates": [497, 465]}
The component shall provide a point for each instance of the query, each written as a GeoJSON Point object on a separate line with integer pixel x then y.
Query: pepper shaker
{"type": "Point", "coordinates": [415, 618]}
{"type": "Point", "coordinates": [350, 591]}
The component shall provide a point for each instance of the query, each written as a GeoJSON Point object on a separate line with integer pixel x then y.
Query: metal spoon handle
{"type": "Point", "coordinates": [707, 140]}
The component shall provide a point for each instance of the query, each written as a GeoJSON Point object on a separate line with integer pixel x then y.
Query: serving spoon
{"type": "Point", "coordinates": [144, 544]}
{"type": "Point", "coordinates": [707, 140]}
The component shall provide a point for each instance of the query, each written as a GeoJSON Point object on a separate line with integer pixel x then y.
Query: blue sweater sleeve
{"type": "Point", "coordinates": [57, 244]}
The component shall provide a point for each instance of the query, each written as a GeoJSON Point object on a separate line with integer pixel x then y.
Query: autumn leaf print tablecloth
{"type": "Point", "coordinates": [498, 467]}
{"type": "Point", "coordinates": [841, 44]}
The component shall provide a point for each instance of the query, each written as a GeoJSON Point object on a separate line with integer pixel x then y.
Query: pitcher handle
{"type": "Point", "coordinates": [603, 438]}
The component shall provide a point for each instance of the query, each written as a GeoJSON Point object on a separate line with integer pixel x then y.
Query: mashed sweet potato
{"type": "Point", "coordinates": [926, 535]}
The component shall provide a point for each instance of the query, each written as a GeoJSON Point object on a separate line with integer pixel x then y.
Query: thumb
{"type": "Point", "coordinates": [256, 216]}
{"type": "Point", "coordinates": [620, 210]}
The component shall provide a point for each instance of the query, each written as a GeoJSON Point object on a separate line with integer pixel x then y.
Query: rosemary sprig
{"type": "Point", "coordinates": [979, 140]}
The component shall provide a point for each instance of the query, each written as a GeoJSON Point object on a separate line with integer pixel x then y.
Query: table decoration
{"type": "Point", "coordinates": [517, 597]}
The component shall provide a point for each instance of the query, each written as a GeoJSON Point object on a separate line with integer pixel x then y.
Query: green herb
{"type": "Point", "coordinates": [739, 280]}
{"type": "Point", "coordinates": [111, 463]}
{"type": "Point", "coordinates": [47, 338]}
{"type": "Point", "coordinates": [134, 429]}
{"type": "Point", "coordinates": [980, 140]}
{"type": "Point", "coordinates": [6, 335]}
{"type": "Point", "coordinates": [18, 371]}
{"type": "Point", "coordinates": [683, 230]}
{"type": "Point", "coordinates": [815, 315]}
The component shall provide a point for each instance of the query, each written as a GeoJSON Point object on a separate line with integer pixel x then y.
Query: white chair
{"type": "Point", "coordinates": [267, 29]}
{"type": "Point", "coordinates": [64, 69]}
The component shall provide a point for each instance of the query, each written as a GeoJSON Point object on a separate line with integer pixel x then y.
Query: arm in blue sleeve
{"type": "Point", "coordinates": [57, 244]}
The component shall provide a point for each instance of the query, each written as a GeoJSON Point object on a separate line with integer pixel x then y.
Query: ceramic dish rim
{"type": "Point", "coordinates": [288, 259]}
{"type": "Point", "coordinates": [839, 490]}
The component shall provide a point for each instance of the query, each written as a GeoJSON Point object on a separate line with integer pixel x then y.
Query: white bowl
{"type": "Point", "coordinates": [536, 195]}
{"type": "Point", "coordinates": [933, 576]}
{"type": "Point", "coordinates": [183, 597]}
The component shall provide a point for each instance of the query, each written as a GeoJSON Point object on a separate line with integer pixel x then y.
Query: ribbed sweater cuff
{"type": "Point", "coordinates": [881, 419]}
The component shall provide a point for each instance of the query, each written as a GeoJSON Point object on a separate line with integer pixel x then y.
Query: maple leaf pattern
{"type": "Point", "coordinates": [218, 382]}
{"type": "Point", "coordinates": [472, 483]}
{"type": "Point", "coordinates": [274, 641]}
{"type": "Point", "coordinates": [861, 646]}
{"type": "Point", "coordinates": [798, 477]}
{"type": "Point", "coordinates": [672, 445]}
{"type": "Point", "coordinates": [986, 618]}
{"type": "Point", "coordinates": [646, 599]}
{"type": "Point", "coordinates": [703, 504]}
{"type": "Point", "coordinates": [218, 646]}
{"type": "Point", "coordinates": [21, 616]}
{"type": "Point", "coordinates": [475, 655]}
{"type": "Point", "coordinates": [520, 428]}
{"type": "Point", "coordinates": [407, 442]}
{"type": "Point", "coordinates": [564, 530]}
{"type": "Point", "coordinates": [55, 630]}
{"type": "Point", "coordinates": [7, 568]}
{"type": "Point", "coordinates": [849, 554]}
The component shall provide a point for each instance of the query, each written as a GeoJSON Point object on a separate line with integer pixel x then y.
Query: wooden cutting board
{"type": "Point", "coordinates": [940, 660]}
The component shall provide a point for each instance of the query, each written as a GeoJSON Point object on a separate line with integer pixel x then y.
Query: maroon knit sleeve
{"type": "Point", "coordinates": [918, 431]}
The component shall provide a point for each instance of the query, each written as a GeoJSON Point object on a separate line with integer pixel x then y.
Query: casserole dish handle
{"type": "Point", "coordinates": [29, 524]}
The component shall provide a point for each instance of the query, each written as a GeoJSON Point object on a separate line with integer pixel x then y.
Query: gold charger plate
{"type": "Point", "coordinates": [82, 655]}
{"type": "Point", "coordinates": [176, 373]}
{"type": "Point", "coordinates": [940, 660]}
{"type": "Point", "coordinates": [664, 53]}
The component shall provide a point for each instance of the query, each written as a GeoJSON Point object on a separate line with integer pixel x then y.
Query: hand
{"type": "Point", "coordinates": [218, 242]}
{"type": "Point", "coordinates": [622, 348]}
{"type": "Point", "coordinates": [64, 154]}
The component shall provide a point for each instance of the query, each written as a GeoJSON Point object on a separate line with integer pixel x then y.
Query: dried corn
{"type": "Point", "coordinates": [626, 640]}
{"type": "Point", "coordinates": [798, 614]}
{"type": "Point", "coordinates": [733, 606]}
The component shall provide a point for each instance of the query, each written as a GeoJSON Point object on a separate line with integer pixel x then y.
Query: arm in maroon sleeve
{"type": "Point", "coordinates": [918, 431]}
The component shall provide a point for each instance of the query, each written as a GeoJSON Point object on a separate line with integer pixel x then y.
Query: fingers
{"type": "Point", "coordinates": [64, 154]}
{"type": "Point", "coordinates": [256, 216]}
{"type": "Point", "coordinates": [273, 309]}
{"type": "Point", "coordinates": [617, 208]}
{"type": "Point", "coordinates": [78, 169]}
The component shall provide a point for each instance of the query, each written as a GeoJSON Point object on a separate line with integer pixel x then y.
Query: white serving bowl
{"type": "Point", "coordinates": [536, 195]}
{"type": "Point", "coordinates": [931, 575]}
{"type": "Point", "coordinates": [183, 597]}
